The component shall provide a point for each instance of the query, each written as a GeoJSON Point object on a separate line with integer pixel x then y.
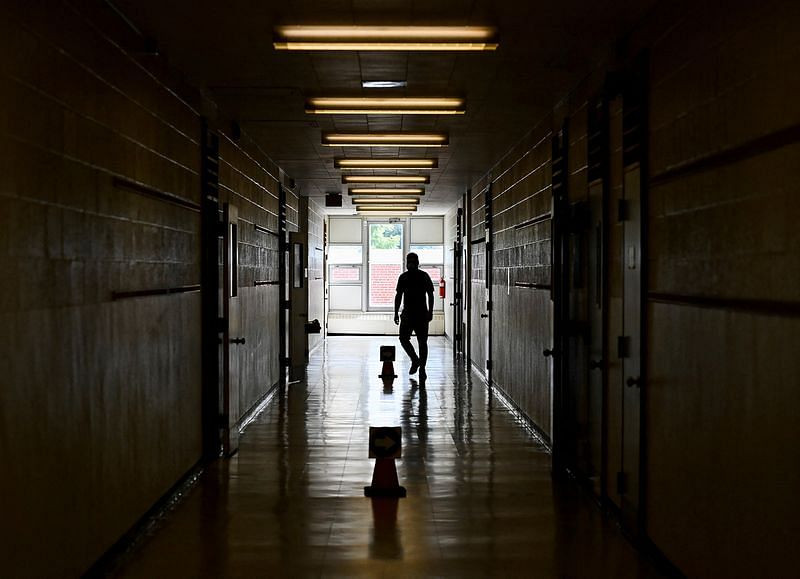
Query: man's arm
{"type": "Point", "coordinates": [398, 297]}
{"type": "Point", "coordinates": [430, 299]}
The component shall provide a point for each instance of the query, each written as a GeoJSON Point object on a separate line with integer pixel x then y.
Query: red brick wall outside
{"type": "Point", "coordinates": [343, 274]}
{"type": "Point", "coordinates": [382, 283]}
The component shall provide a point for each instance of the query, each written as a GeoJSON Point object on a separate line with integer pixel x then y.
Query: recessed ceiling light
{"type": "Point", "coordinates": [385, 38]}
{"type": "Point", "coordinates": [383, 83]}
{"type": "Point", "coordinates": [385, 139]}
{"type": "Point", "coordinates": [386, 179]}
{"type": "Point", "coordinates": [377, 191]}
{"type": "Point", "coordinates": [386, 106]}
{"type": "Point", "coordinates": [340, 163]}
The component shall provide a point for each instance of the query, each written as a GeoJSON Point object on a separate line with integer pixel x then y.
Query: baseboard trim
{"type": "Point", "coordinates": [257, 408]}
{"type": "Point", "coordinates": [147, 525]}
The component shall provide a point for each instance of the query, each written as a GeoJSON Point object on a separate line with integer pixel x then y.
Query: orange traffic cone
{"type": "Point", "coordinates": [384, 480]}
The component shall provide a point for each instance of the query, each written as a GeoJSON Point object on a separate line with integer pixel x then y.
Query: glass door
{"type": "Point", "coordinates": [385, 262]}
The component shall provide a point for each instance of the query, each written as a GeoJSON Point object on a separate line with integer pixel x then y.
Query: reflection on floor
{"type": "Point", "coordinates": [481, 502]}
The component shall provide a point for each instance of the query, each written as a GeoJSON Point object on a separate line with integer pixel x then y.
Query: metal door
{"type": "Point", "coordinates": [298, 312]}
{"type": "Point", "coordinates": [563, 413]}
{"type": "Point", "coordinates": [488, 245]}
{"type": "Point", "coordinates": [596, 289]}
{"type": "Point", "coordinates": [631, 332]}
{"type": "Point", "coordinates": [632, 216]}
{"type": "Point", "coordinates": [231, 338]}
{"type": "Point", "coordinates": [458, 286]}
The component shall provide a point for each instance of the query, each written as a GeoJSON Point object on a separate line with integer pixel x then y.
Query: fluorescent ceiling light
{"type": "Point", "coordinates": [385, 213]}
{"type": "Point", "coordinates": [384, 200]}
{"type": "Point", "coordinates": [385, 139]}
{"type": "Point", "coordinates": [383, 83]}
{"type": "Point", "coordinates": [386, 179]}
{"type": "Point", "coordinates": [340, 163]}
{"type": "Point", "coordinates": [386, 106]}
{"type": "Point", "coordinates": [385, 38]}
{"type": "Point", "coordinates": [386, 207]}
{"type": "Point", "coordinates": [378, 191]}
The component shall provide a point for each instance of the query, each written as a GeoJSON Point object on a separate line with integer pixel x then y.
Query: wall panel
{"type": "Point", "coordinates": [723, 373]}
{"type": "Point", "coordinates": [88, 424]}
{"type": "Point", "coordinates": [249, 180]}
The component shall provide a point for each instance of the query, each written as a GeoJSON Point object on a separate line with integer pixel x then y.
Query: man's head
{"type": "Point", "coordinates": [412, 261]}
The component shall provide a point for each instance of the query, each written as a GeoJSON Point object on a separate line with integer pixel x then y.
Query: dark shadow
{"type": "Point", "coordinates": [385, 543]}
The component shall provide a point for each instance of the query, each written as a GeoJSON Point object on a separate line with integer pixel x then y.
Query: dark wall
{"type": "Point", "coordinates": [723, 255]}
{"type": "Point", "coordinates": [724, 263]}
{"type": "Point", "coordinates": [100, 397]}
{"type": "Point", "coordinates": [250, 181]}
{"type": "Point", "coordinates": [100, 387]}
{"type": "Point", "coordinates": [522, 315]}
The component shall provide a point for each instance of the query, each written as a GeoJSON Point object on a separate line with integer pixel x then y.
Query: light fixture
{"type": "Point", "coordinates": [379, 191]}
{"type": "Point", "coordinates": [386, 106]}
{"type": "Point", "coordinates": [385, 38]}
{"type": "Point", "coordinates": [386, 179]}
{"type": "Point", "coordinates": [386, 207]}
{"type": "Point", "coordinates": [385, 139]}
{"type": "Point", "coordinates": [385, 213]}
{"type": "Point", "coordinates": [340, 163]}
{"type": "Point", "coordinates": [383, 83]}
{"type": "Point", "coordinates": [380, 200]}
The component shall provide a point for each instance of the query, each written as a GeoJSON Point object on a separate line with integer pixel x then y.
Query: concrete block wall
{"type": "Point", "coordinates": [249, 181]}
{"type": "Point", "coordinates": [722, 464]}
{"type": "Point", "coordinates": [723, 257]}
{"type": "Point", "coordinates": [100, 398]}
{"type": "Point", "coordinates": [521, 192]}
{"type": "Point", "coordinates": [100, 393]}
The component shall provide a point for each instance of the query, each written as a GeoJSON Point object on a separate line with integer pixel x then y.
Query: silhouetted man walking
{"type": "Point", "coordinates": [412, 289]}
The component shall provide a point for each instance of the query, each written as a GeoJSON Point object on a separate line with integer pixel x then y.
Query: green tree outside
{"type": "Point", "coordinates": [386, 236]}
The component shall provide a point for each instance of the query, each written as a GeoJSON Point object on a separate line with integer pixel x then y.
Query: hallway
{"type": "Point", "coordinates": [202, 202]}
{"type": "Point", "coordinates": [481, 501]}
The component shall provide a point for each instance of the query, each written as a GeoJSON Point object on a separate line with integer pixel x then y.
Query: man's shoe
{"type": "Point", "coordinates": [414, 366]}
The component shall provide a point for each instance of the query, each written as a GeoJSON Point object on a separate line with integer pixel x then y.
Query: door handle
{"type": "Point", "coordinates": [237, 340]}
{"type": "Point", "coordinates": [595, 364]}
{"type": "Point", "coordinates": [631, 381]}
{"type": "Point", "coordinates": [547, 353]}
{"type": "Point", "coordinates": [484, 315]}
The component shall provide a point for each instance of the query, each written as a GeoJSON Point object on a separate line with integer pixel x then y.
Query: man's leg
{"type": "Point", "coordinates": [405, 341]}
{"type": "Point", "coordinates": [421, 329]}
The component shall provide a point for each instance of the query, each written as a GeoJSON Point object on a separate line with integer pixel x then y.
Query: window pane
{"type": "Point", "coordinates": [429, 253]}
{"type": "Point", "coordinates": [382, 283]}
{"type": "Point", "coordinates": [345, 254]}
{"type": "Point", "coordinates": [386, 243]}
{"type": "Point", "coordinates": [345, 274]}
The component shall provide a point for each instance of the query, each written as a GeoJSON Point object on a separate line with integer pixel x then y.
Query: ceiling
{"type": "Point", "coordinates": [226, 48]}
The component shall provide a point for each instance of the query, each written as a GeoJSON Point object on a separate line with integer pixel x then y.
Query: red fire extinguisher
{"type": "Point", "coordinates": [441, 287]}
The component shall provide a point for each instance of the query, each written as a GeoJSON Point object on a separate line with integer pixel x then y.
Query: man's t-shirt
{"type": "Point", "coordinates": [415, 284]}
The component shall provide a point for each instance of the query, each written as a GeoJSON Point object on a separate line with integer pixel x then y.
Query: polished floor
{"type": "Point", "coordinates": [481, 501]}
